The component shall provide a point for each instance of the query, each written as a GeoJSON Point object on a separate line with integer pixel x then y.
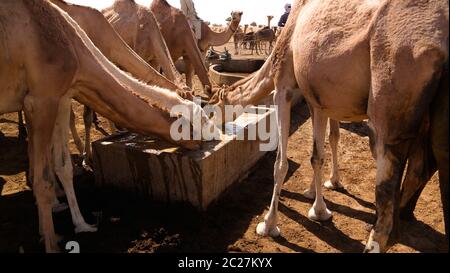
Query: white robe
{"type": "Point", "coordinates": [188, 9]}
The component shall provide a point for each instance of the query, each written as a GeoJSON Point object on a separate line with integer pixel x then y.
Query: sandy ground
{"type": "Point", "coordinates": [130, 225]}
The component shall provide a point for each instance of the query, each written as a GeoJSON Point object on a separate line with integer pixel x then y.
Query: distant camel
{"type": "Point", "coordinates": [238, 38]}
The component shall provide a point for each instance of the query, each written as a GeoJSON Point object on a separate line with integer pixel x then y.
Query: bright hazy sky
{"type": "Point", "coordinates": [216, 11]}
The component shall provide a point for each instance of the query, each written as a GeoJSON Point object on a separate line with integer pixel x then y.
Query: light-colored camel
{"type": "Point", "coordinates": [42, 69]}
{"type": "Point", "coordinates": [356, 60]}
{"type": "Point", "coordinates": [180, 40]}
{"type": "Point", "coordinates": [138, 27]}
{"type": "Point", "coordinates": [117, 51]}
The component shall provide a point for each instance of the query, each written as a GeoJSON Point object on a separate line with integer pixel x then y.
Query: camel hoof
{"type": "Point", "coordinates": [333, 185]}
{"type": "Point", "coordinates": [372, 247]}
{"type": "Point", "coordinates": [87, 166]}
{"type": "Point", "coordinates": [319, 216]}
{"type": "Point", "coordinates": [309, 194]}
{"type": "Point", "coordinates": [57, 208]}
{"type": "Point", "coordinates": [263, 230]}
{"type": "Point", "coordinates": [85, 228]}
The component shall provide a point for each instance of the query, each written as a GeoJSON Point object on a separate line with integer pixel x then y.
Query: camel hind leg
{"type": "Point", "coordinates": [393, 131]}
{"type": "Point", "coordinates": [334, 182]}
{"type": "Point", "coordinates": [319, 211]}
{"type": "Point", "coordinates": [421, 167]}
{"type": "Point", "coordinates": [439, 141]}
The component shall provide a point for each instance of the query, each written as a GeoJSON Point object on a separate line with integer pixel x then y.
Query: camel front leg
{"type": "Point", "coordinates": [73, 130]}
{"type": "Point", "coordinates": [283, 113]}
{"type": "Point", "coordinates": [334, 182]}
{"type": "Point", "coordinates": [319, 211]}
{"type": "Point", "coordinates": [63, 165]}
{"type": "Point", "coordinates": [41, 115]}
{"type": "Point", "coordinates": [88, 118]}
{"type": "Point", "coordinates": [391, 161]}
{"type": "Point", "coordinates": [421, 167]}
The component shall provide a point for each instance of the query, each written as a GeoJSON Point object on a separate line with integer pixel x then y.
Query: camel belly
{"type": "Point", "coordinates": [332, 58]}
{"type": "Point", "coordinates": [338, 85]}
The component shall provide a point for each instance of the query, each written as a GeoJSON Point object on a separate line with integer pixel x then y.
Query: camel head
{"type": "Point", "coordinates": [218, 102]}
{"type": "Point", "coordinates": [236, 16]}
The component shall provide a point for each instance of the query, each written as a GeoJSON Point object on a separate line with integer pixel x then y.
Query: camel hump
{"type": "Point", "coordinates": [53, 30]}
{"type": "Point", "coordinates": [421, 27]}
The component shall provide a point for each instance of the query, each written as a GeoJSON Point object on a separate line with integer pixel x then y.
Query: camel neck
{"type": "Point", "coordinates": [253, 89]}
{"type": "Point", "coordinates": [219, 38]}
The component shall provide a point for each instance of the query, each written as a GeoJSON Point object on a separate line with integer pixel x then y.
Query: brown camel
{"type": "Point", "coordinates": [265, 34]}
{"type": "Point", "coordinates": [41, 70]}
{"type": "Point", "coordinates": [238, 38]}
{"type": "Point", "coordinates": [429, 154]}
{"type": "Point", "coordinates": [249, 40]}
{"type": "Point", "coordinates": [138, 27]}
{"type": "Point", "coordinates": [372, 55]}
{"type": "Point", "coordinates": [211, 38]}
{"type": "Point", "coordinates": [180, 41]}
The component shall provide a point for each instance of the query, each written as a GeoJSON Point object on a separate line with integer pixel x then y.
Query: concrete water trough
{"type": "Point", "coordinates": [159, 171]}
{"type": "Point", "coordinates": [230, 71]}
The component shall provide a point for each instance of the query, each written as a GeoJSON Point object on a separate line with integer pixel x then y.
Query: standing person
{"type": "Point", "coordinates": [285, 16]}
{"type": "Point", "coordinates": [188, 8]}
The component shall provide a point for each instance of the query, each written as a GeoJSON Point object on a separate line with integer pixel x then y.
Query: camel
{"type": "Point", "coordinates": [263, 35]}
{"type": "Point", "coordinates": [249, 40]}
{"type": "Point", "coordinates": [180, 40]}
{"type": "Point", "coordinates": [116, 50]}
{"type": "Point", "coordinates": [41, 70]}
{"type": "Point", "coordinates": [345, 42]}
{"type": "Point", "coordinates": [429, 154]}
{"type": "Point", "coordinates": [211, 38]}
{"type": "Point", "coordinates": [266, 34]}
{"type": "Point", "coordinates": [138, 27]}
{"type": "Point", "coordinates": [238, 38]}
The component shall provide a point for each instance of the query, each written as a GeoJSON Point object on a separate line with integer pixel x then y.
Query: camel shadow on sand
{"type": "Point", "coordinates": [129, 224]}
